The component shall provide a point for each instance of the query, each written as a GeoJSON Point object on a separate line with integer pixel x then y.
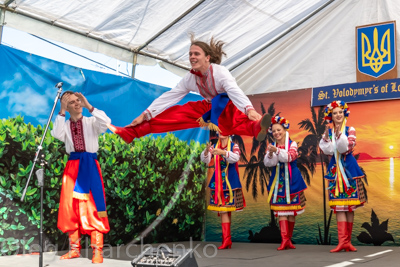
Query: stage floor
{"type": "Point", "coordinates": [241, 254]}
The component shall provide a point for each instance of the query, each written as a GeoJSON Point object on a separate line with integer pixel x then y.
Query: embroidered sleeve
{"type": "Point", "coordinates": [91, 110]}
{"type": "Point", "coordinates": [290, 155]}
{"type": "Point", "coordinates": [234, 155]}
{"type": "Point", "coordinates": [352, 139]}
{"type": "Point", "coordinates": [147, 115]}
{"type": "Point", "coordinates": [204, 158]}
{"type": "Point", "coordinates": [248, 108]}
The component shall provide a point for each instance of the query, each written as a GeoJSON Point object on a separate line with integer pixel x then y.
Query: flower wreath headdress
{"type": "Point", "coordinates": [336, 104]}
{"type": "Point", "coordinates": [280, 120]}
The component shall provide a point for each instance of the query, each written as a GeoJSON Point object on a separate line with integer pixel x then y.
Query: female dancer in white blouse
{"type": "Point", "coordinates": [286, 185]}
{"type": "Point", "coordinates": [345, 188]}
{"type": "Point", "coordinates": [226, 191]}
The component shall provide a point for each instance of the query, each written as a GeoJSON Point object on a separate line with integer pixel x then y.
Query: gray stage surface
{"type": "Point", "coordinates": [241, 254]}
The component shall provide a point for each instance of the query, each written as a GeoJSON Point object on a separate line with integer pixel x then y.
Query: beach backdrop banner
{"type": "Point", "coordinates": [156, 182]}
{"type": "Point", "coordinates": [377, 150]}
{"type": "Point", "coordinates": [155, 186]}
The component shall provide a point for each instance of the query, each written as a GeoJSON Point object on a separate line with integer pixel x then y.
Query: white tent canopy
{"type": "Point", "coordinates": [321, 52]}
{"type": "Point", "coordinates": [271, 45]}
{"type": "Point", "coordinates": [158, 28]}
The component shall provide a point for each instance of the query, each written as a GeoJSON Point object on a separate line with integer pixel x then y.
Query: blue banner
{"type": "Point", "coordinates": [27, 88]}
{"type": "Point", "coordinates": [356, 92]}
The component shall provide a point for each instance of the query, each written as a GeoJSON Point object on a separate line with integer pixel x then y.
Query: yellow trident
{"type": "Point", "coordinates": [375, 60]}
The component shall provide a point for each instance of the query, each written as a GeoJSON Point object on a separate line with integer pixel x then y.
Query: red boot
{"type": "Point", "coordinates": [128, 133]}
{"type": "Point", "coordinates": [349, 231]}
{"type": "Point", "coordinates": [96, 240]}
{"type": "Point", "coordinates": [261, 127]}
{"type": "Point", "coordinates": [75, 246]}
{"type": "Point", "coordinates": [291, 227]}
{"type": "Point", "coordinates": [284, 225]}
{"type": "Point", "coordinates": [342, 236]}
{"type": "Point", "coordinates": [226, 235]}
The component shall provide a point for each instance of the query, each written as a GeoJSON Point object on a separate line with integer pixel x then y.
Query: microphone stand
{"type": "Point", "coordinates": [38, 173]}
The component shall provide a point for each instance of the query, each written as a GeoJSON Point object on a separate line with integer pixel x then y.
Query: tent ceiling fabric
{"type": "Point", "coordinates": [271, 45]}
{"type": "Point", "coordinates": [119, 27]}
{"type": "Point", "coordinates": [320, 52]}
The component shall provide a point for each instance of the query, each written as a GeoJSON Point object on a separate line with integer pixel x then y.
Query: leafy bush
{"type": "Point", "coordinates": [139, 180]}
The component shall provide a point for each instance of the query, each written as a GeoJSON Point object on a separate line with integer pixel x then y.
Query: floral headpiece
{"type": "Point", "coordinates": [336, 104]}
{"type": "Point", "coordinates": [280, 120]}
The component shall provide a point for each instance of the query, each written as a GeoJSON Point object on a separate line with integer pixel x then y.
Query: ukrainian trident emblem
{"type": "Point", "coordinates": [376, 49]}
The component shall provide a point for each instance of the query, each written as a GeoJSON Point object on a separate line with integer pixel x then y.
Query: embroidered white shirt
{"type": "Point", "coordinates": [92, 128]}
{"type": "Point", "coordinates": [224, 83]}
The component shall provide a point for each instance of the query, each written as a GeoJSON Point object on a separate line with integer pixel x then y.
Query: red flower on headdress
{"type": "Point", "coordinates": [334, 105]}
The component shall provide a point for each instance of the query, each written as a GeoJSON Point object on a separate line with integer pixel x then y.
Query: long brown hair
{"type": "Point", "coordinates": [213, 49]}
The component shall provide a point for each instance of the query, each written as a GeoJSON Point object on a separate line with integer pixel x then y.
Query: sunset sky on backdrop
{"type": "Point", "coordinates": [376, 123]}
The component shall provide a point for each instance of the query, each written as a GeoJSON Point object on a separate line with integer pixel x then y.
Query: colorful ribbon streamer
{"type": "Point", "coordinates": [218, 177]}
{"type": "Point", "coordinates": [341, 176]}
{"type": "Point", "coordinates": [275, 183]}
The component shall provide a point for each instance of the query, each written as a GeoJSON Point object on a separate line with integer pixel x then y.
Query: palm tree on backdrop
{"type": "Point", "coordinates": [308, 155]}
{"type": "Point", "coordinates": [256, 172]}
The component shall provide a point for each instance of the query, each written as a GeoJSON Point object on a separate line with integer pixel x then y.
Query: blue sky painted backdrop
{"type": "Point", "coordinates": [27, 88]}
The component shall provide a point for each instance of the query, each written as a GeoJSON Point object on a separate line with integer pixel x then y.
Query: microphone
{"type": "Point", "coordinates": [59, 85]}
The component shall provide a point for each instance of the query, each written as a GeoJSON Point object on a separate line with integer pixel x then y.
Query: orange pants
{"type": "Point", "coordinates": [79, 214]}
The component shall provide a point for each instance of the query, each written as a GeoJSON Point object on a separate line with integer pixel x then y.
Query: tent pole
{"type": "Point", "coordinates": [3, 9]}
{"type": "Point", "coordinates": [134, 65]}
{"type": "Point", "coordinates": [2, 19]}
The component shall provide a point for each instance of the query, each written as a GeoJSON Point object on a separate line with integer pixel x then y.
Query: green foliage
{"type": "Point", "coordinates": [139, 180]}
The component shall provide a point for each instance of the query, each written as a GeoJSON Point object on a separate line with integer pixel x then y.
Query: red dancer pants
{"type": "Point", "coordinates": [79, 214]}
{"type": "Point", "coordinates": [180, 117]}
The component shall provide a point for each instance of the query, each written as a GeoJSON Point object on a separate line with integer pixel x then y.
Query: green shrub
{"type": "Point", "coordinates": [139, 180]}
